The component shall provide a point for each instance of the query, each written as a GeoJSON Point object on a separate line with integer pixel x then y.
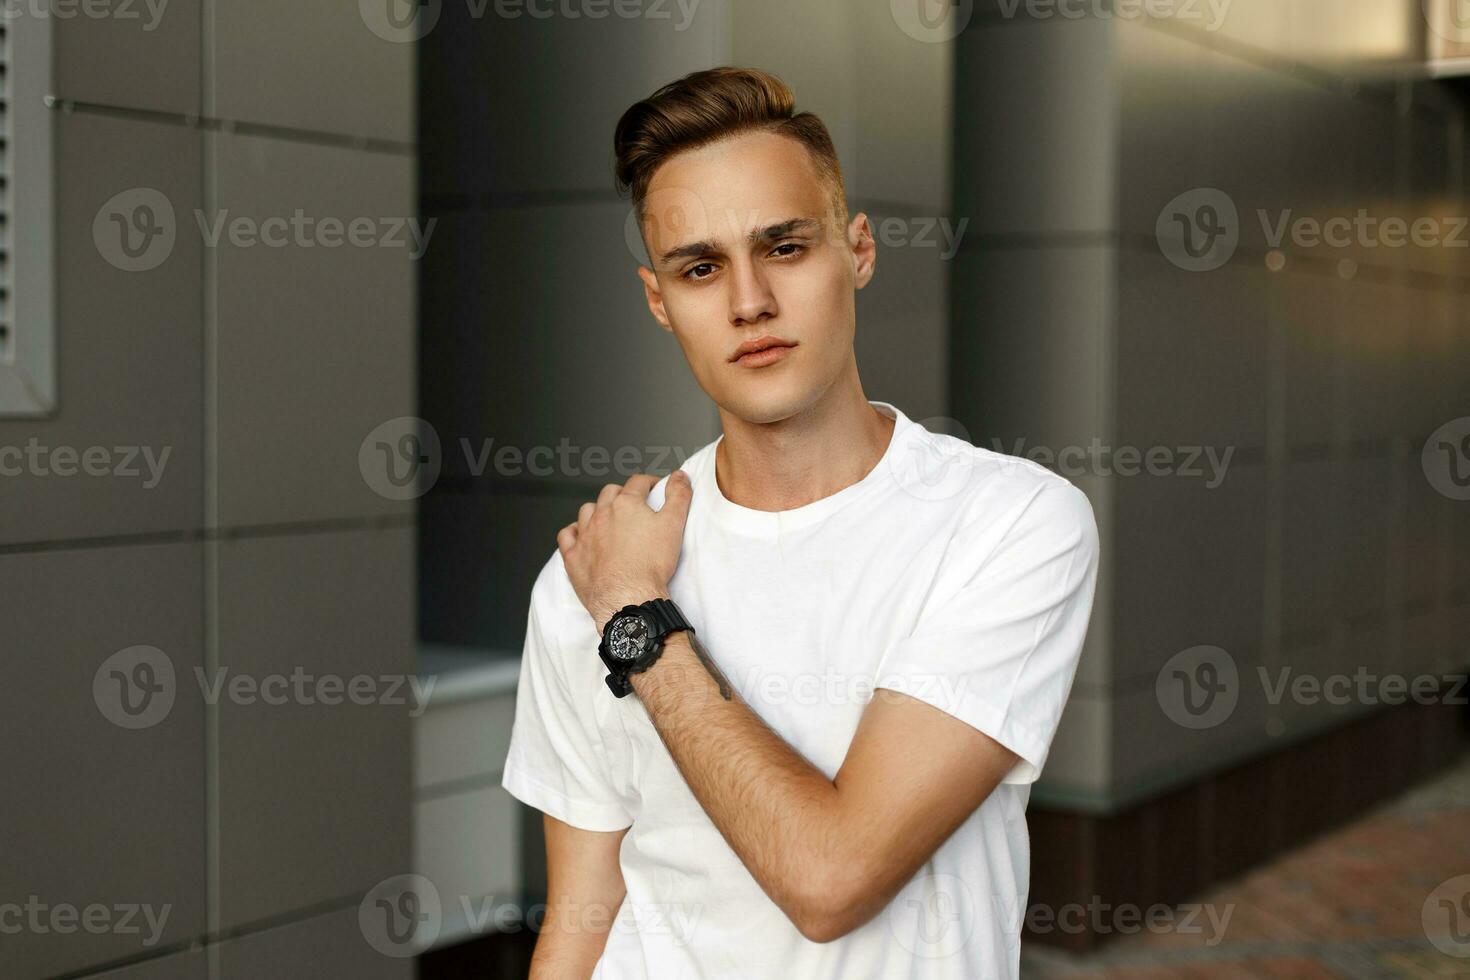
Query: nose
{"type": "Point", "coordinates": [751, 298]}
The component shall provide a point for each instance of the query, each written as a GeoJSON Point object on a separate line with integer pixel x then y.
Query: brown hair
{"type": "Point", "coordinates": [710, 105]}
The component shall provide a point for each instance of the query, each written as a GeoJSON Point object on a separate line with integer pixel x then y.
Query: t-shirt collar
{"type": "Point", "coordinates": [708, 495]}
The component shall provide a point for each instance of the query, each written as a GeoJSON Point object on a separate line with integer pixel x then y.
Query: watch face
{"type": "Point", "coordinates": [627, 638]}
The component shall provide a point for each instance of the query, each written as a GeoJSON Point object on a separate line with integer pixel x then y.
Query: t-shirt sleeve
{"type": "Point", "coordinates": [556, 761]}
{"type": "Point", "coordinates": [998, 642]}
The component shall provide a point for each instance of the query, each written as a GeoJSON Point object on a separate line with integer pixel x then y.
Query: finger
{"type": "Point", "coordinates": [609, 493]}
{"type": "Point", "coordinates": [639, 484]}
{"type": "Point", "coordinates": [566, 538]}
{"type": "Point", "coordinates": [678, 493]}
{"type": "Point", "coordinates": [584, 514]}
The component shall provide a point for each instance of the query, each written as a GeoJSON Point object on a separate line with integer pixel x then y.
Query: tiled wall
{"type": "Point", "coordinates": [262, 550]}
{"type": "Point", "coordinates": [1325, 548]}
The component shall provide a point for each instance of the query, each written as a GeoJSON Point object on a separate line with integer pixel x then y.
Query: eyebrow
{"type": "Point", "coordinates": [780, 230]}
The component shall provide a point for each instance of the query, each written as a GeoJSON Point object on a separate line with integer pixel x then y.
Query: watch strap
{"type": "Point", "coordinates": [666, 616]}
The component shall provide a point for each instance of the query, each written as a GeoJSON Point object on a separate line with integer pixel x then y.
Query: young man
{"type": "Point", "coordinates": [845, 642]}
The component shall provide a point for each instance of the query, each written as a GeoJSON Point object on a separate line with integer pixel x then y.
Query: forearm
{"type": "Point", "coordinates": [584, 890]}
{"type": "Point", "coordinates": [565, 950]}
{"type": "Point", "coordinates": [783, 818]}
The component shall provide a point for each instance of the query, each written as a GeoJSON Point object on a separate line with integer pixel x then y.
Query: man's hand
{"type": "Point", "coordinates": [620, 550]}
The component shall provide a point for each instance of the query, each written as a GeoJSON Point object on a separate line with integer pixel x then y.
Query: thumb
{"type": "Point", "coordinates": [678, 492]}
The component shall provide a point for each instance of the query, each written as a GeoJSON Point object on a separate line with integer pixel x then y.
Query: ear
{"type": "Point", "coordinates": [654, 296]}
{"type": "Point", "coordinates": [864, 249]}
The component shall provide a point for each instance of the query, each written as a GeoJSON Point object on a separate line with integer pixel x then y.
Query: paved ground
{"type": "Point", "coordinates": [1381, 898]}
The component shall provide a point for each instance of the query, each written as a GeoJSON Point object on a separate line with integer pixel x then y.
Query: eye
{"type": "Point", "coordinates": [693, 271]}
{"type": "Point", "coordinates": [796, 249]}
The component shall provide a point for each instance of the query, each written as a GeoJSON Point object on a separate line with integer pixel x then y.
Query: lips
{"type": "Point", "coordinates": [759, 344]}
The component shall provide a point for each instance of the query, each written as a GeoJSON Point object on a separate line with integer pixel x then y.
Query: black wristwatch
{"type": "Point", "coordinates": [634, 638]}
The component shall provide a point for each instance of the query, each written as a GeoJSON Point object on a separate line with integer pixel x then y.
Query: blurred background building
{"type": "Point", "coordinates": [1151, 245]}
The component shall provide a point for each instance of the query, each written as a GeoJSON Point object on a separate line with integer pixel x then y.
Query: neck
{"type": "Point", "coordinates": [820, 450]}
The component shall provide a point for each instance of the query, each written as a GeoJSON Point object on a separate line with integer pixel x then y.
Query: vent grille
{"type": "Point", "coordinates": [7, 291]}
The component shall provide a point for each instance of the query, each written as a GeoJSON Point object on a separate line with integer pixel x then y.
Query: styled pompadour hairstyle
{"type": "Point", "coordinates": [711, 105]}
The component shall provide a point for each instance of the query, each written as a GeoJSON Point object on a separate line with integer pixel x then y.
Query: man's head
{"type": "Point", "coordinates": [744, 215]}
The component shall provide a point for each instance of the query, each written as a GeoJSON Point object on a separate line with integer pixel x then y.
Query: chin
{"type": "Point", "coordinates": [762, 400]}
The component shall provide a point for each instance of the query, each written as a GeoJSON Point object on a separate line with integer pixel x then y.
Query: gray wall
{"type": "Point", "coordinates": [1325, 549]}
{"type": "Point", "coordinates": [262, 549]}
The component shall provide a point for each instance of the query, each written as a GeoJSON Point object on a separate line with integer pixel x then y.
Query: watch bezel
{"type": "Point", "coordinates": [649, 630]}
{"type": "Point", "coordinates": [660, 616]}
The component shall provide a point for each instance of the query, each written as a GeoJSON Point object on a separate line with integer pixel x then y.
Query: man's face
{"type": "Point", "coordinates": [745, 244]}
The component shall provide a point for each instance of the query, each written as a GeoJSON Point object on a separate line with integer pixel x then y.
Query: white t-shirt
{"type": "Point", "coordinates": [957, 575]}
